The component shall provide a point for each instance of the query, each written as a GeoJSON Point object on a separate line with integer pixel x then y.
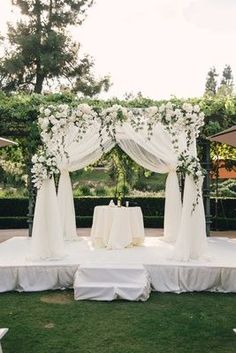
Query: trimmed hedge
{"type": "Point", "coordinates": [13, 222]}
{"type": "Point", "coordinates": [13, 212]}
{"type": "Point", "coordinates": [151, 206]}
{"type": "Point", "coordinates": [149, 221]}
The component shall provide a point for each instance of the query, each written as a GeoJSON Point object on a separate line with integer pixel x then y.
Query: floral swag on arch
{"type": "Point", "coordinates": [162, 139]}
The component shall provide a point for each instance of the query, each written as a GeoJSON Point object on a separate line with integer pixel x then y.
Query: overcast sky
{"type": "Point", "coordinates": [158, 47]}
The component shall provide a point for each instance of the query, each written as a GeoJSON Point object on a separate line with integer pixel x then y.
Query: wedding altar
{"type": "Point", "coordinates": [161, 139]}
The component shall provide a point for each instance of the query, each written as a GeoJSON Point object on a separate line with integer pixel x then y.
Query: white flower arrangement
{"type": "Point", "coordinates": [61, 125]}
{"type": "Point", "coordinates": [44, 167]}
{"type": "Point", "coordinates": [178, 119]}
{"type": "Point", "coordinates": [190, 165]}
{"type": "Point", "coordinates": [110, 118]}
{"type": "Point", "coordinates": [56, 121]}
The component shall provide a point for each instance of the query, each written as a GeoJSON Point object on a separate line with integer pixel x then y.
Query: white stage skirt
{"type": "Point", "coordinates": [215, 273]}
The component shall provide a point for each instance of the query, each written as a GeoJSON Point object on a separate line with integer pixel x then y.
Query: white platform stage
{"type": "Point", "coordinates": [217, 272]}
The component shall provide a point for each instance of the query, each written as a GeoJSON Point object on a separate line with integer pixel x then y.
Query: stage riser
{"type": "Point", "coordinates": [110, 282]}
{"type": "Point", "coordinates": [176, 279]}
{"type": "Point", "coordinates": [216, 272]}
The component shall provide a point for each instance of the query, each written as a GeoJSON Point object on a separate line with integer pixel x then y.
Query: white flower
{"type": "Point", "coordinates": [44, 123]}
{"type": "Point", "coordinates": [162, 108]}
{"type": "Point", "coordinates": [178, 113]}
{"type": "Point", "coordinates": [152, 110]}
{"type": "Point", "coordinates": [63, 107]}
{"type": "Point", "coordinates": [54, 128]}
{"type": "Point", "coordinates": [34, 158]}
{"type": "Point", "coordinates": [85, 109]}
{"type": "Point", "coordinates": [47, 112]}
{"type": "Point", "coordinates": [196, 108]}
{"type": "Point", "coordinates": [41, 159]}
{"type": "Point", "coordinates": [169, 105]}
{"type": "Point", "coordinates": [199, 173]}
{"type": "Point", "coordinates": [187, 107]}
{"type": "Point", "coordinates": [168, 115]}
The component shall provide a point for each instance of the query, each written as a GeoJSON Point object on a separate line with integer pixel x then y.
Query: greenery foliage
{"type": "Point", "coordinates": [19, 113]}
{"type": "Point", "coordinates": [14, 211]}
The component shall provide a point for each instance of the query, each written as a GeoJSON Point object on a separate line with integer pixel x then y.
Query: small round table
{"type": "Point", "coordinates": [117, 227]}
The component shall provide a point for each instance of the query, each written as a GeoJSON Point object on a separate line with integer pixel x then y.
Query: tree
{"type": "Point", "coordinates": [227, 82]}
{"type": "Point", "coordinates": [211, 82]}
{"type": "Point", "coordinates": [40, 50]}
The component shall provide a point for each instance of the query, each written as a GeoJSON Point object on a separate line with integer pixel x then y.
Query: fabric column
{"type": "Point", "coordinates": [47, 238]}
{"type": "Point", "coordinates": [191, 242]}
{"type": "Point", "coordinates": [173, 207]}
{"type": "Point", "coordinates": [66, 206]}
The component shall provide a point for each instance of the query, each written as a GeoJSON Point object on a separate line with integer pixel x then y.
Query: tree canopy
{"type": "Point", "coordinates": [226, 86]}
{"type": "Point", "coordinates": [39, 49]}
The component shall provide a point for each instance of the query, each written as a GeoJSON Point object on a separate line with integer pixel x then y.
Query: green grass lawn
{"type": "Point", "coordinates": [52, 322]}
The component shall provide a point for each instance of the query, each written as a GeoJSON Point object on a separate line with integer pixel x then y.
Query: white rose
{"type": "Point", "coordinates": [169, 105]}
{"type": "Point", "coordinates": [58, 115]}
{"type": "Point", "coordinates": [41, 159]}
{"type": "Point", "coordinates": [178, 113]}
{"type": "Point", "coordinates": [44, 123]}
{"type": "Point", "coordinates": [35, 158]}
{"type": "Point", "coordinates": [187, 107]}
{"type": "Point", "coordinates": [40, 121]}
{"type": "Point", "coordinates": [63, 107]}
{"type": "Point", "coordinates": [152, 110]}
{"type": "Point", "coordinates": [85, 108]}
{"type": "Point", "coordinates": [72, 118]}
{"type": "Point", "coordinates": [162, 108]}
{"type": "Point", "coordinates": [199, 173]}
{"type": "Point", "coordinates": [49, 162]}
{"type": "Point", "coordinates": [47, 112]}
{"type": "Point", "coordinates": [62, 121]}
{"type": "Point", "coordinates": [54, 128]}
{"type": "Point", "coordinates": [196, 108]}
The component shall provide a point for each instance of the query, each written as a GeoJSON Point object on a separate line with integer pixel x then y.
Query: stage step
{"type": "Point", "coordinates": [109, 282]}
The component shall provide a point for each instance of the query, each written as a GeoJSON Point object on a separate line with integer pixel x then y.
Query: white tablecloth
{"type": "Point", "coordinates": [117, 227]}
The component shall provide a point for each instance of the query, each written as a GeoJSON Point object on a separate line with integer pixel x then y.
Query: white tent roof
{"type": "Point", "coordinates": [5, 142]}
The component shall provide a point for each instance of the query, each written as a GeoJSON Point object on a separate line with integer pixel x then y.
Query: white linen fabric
{"type": "Point", "coordinates": [66, 206]}
{"type": "Point", "coordinates": [117, 227]}
{"type": "Point", "coordinates": [110, 282]}
{"type": "Point", "coordinates": [47, 238]}
{"type": "Point", "coordinates": [217, 274]}
{"type": "Point", "coordinates": [87, 151]}
{"type": "Point", "coordinates": [191, 241]}
{"type": "Point", "coordinates": [61, 209]}
{"type": "Point", "coordinates": [150, 161]}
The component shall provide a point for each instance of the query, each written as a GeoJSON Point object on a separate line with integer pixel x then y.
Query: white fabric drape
{"type": "Point", "coordinates": [158, 156]}
{"type": "Point", "coordinates": [173, 208]}
{"type": "Point", "coordinates": [47, 237]}
{"type": "Point", "coordinates": [54, 217]}
{"type": "Point", "coordinates": [66, 206]}
{"type": "Point", "coordinates": [191, 241]}
{"type": "Point", "coordinates": [81, 154]}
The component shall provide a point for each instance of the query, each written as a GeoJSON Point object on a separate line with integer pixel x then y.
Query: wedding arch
{"type": "Point", "coordinates": [161, 139]}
